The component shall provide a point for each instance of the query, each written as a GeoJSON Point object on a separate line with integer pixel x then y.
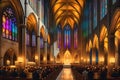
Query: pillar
{"type": "Point", "coordinates": [24, 45]}
{"type": "Point", "coordinates": [1, 58]}
{"type": "Point", "coordinates": [45, 52]}
{"type": "Point", "coordinates": [116, 52]}
{"type": "Point", "coordinates": [38, 34]}
{"type": "Point", "coordinates": [38, 51]}
{"type": "Point", "coordinates": [52, 54]}
{"type": "Point", "coordinates": [119, 53]}
{"type": "Point", "coordinates": [111, 49]}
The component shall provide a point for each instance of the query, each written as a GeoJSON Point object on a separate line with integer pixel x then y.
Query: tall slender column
{"type": "Point", "coordinates": [1, 58]}
{"type": "Point", "coordinates": [38, 51]}
{"type": "Point", "coordinates": [38, 35]}
{"type": "Point", "coordinates": [111, 47]}
{"type": "Point", "coordinates": [119, 53]}
{"type": "Point", "coordinates": [45, 52]}
{"type": "Point", "coordinates": [116, 52]}
{"type": "Point", "coordinates": [24, 44]}
{"type": "Point", "coordinates": [24, 35]}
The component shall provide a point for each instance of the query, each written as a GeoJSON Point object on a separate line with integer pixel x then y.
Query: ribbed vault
{"type": "Point", "coordinates": [67, 11]}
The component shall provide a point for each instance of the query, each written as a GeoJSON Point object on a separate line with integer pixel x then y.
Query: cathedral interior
{"type": "Point", "coordinates": [59, 39]}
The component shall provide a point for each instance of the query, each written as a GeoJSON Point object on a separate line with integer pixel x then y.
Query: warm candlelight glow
{"type": "Point", "coordinates": [88, 60]}
{"type": "Point", "coordinates": [81, 58]}
{"type": "Point", "coordinates": [36, 57]}
{"type": "Point", "coordinates": [102, 59]}
{"type": "Point", "coordinates": [51, 59]}
{"type": "Point", "coordinates": [8, 62]}
{"type": "Point", "coordinates": [44, 58]}
{"type": "Point", "coordinates": [112, 60]}
{"type": "Point", "coordinates": [84, 60]}
{"type": "Point", "coordinates": [20, 59]}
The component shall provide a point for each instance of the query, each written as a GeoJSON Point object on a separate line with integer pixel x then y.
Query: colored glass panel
{"type": "Point", "coordinates": [114, 1]}
{"type": "Point", "coordinates": [75, 37]}
{"type": "Point", "coordinates": [42, 11]}
{"type": "Point", "coordinates": [9, 24]}
{"type": "Point", "coordinates": [67, 37]}
{"type": "Point", "coordinates": [90, 21]}
{"type": "Point", "coordinates": [59, 38]}
{"type": "Point", "coordinates": [95, 14]}
{"type": "Point", "coordinates": [103, 8]}
{"type": "Point", "coordinates": [33, 40]}
{"type": "Point", "coordinates": [41, 42]}
{"type": "Point", "coordinates": [27, 39]}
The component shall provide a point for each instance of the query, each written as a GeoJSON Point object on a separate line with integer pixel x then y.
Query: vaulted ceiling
{"type": "Point", "coordinates": [67, 11]}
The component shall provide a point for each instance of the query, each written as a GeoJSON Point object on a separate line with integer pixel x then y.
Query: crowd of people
{"type": "Point", "coordinates": [29, 72]}
{"type": "Point", "coordinates": [95, 72]}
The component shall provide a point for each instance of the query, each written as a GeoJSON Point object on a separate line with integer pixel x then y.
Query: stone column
{"type": "Point", "coordinates": [38, 51]}
{"type": "Point", "coordinates": [45, 52]}
{"type": "Point", "coordinates": [1, 58]}
{"type": "Point", "coordinates": [111, 48]}
{"type": "Point", "coordinates": [24, 45]}
{"type": "Point", "coordinates": [119, 53]}
{"type": "Point", "coordinates": [116, 52]}
{"type": "Point", "coordinates": [51, 54]}
{"type": "Point", "coordinates": [38, 34]}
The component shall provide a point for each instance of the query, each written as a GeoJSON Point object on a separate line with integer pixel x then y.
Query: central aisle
{"type": "Point", "coordinates": [66, 74]}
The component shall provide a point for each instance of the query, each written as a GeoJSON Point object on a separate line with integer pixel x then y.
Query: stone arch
{"type": "Point", "coordinates": [95, 49]}
{"type": "Point", "coordinates": [32, 22]}
{"type": "Point", "coordinates": [90, 51]}
{"type": "Point", "coordinates": [31, 33]}
{"type": "Point", "coordinates": [16, 5]}
{"type": "Point", "coordinates": [10, 57]}
{"type": "Point", "coordinates": [115, 22]}
{"type": "Point", "coordinates": [42, 32]}
{"type": "Point", "coordinates": [95, 41]}
{"type": "Point", "coordinates": [103, 33]}
{"type": "Point", "coordinates": [67, 57]}
{"type": "Point", "coordinates": [48, 38]}
{"type": "Point", "coordinates": [115, 31]}
{"type": "Point", "coordinates": [104, 45]}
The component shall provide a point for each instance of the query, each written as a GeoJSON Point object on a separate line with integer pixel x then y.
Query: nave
{"type": "Point", "coordinates": [38, 38]}
{"type": "Point", "coordinates": [66, 74]}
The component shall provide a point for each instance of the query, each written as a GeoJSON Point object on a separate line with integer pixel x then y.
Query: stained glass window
{"type": "Point", "coordinates": [42, 11]}
{"type": "Point", "coordinates": [41, 42]}
{"type": "Point", "coordinates": [103, 8]}
{"type": "Point", "coordinates": [75, 38]}
{"type": "Point", "coordinates": [113, 1]}
{"type": "Point", "coordinates": [27, 39]}
{"type": "Point", "coordinates": [9, 24]}
{"type": "Point", "coordinates": [33, 4]}
{"type": "Point", "coordinates": [90, 19]}
{"type": "Point", "coordinates": [33, 39]}
{"type": "Point", "coordinates": [67, 37]}
{"type": "Point", "coordinates": [95, 14]}
{"type": "Point", "coordinates": [59, 37]}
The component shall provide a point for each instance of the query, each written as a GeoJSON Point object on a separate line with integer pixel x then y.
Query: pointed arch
{"type": "Point", "coordinates": [32, 23]}
{"type": "Point", "coordinates": [115, 22]}
{"type": "Point", "coordinates": [95, 41]}
{"type": "Point", "coordinates": [103, 33]}
{"type": "Point", "coordinates": [42, 32]}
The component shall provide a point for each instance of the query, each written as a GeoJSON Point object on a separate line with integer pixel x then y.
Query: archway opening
{"type": "Point", "coordinates": [67, 58]}
{"type": "Point", "coordinates": [117, 47]}
{"type": "Point", "coordinates": [31, 35]}
{"type": "Point", "coordinates": [90, 52]}
{"type": "Point", "coordinates": [104, 45]}
{"type": "Point", "coordinates": [95, 55]}
{"type": "Point", "coordinates": [115, 31]}
{"type": "Point", "coordinates": [10, 57]}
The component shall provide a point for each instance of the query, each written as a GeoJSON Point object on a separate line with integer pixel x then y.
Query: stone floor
{"type": "Point", "coordinates": [66, 74]}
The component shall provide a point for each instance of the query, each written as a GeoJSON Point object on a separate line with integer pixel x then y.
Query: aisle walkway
{"type": "Point", "coordinates": [66, 74]}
